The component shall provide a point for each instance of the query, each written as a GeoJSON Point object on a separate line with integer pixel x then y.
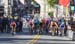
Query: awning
{"type": "Point", "coordinates": [36, 4]}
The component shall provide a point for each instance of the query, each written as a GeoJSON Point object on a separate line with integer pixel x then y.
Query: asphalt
{"type": "Point", "coordinates": [26, 38]}
{"type": "Point", "coordinates": [6, 38]}
{"type": "Point", "coordinates": [54, 40]}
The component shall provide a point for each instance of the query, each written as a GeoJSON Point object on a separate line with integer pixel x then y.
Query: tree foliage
{"type": "Point", "coordinates": [52, 2]}
{"type": "Point", "coordinates": [50, 14]}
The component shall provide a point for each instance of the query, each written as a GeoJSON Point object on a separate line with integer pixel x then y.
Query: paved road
{"type": "Point", "coordinates": [54, 40]}
{"type": "Point", "coordinates": [34, 39]}
{"type": "Point", "coordinates": [17, 39]}
{"type": "Point", "coordinates": [26, 38]}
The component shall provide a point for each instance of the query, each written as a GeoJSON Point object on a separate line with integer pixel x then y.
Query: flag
{"type": "Point", "coordinates": [64, 2]}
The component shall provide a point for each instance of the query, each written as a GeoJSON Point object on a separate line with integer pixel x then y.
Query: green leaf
{"type": "Point", "coordinates": [52, 2]}
{"type": "Point", "coordinates": [50, 14]}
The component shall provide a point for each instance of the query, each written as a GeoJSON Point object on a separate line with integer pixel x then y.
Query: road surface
{"type": "Point", "coordinates": [26, 38]}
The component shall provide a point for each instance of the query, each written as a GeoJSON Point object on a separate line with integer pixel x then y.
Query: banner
{"type": "Point", "coordinates": [64, 2]}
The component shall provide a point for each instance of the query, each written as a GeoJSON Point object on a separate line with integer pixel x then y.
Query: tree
{"type": "Point", "coordinates": [50, 14]}
{"type": "Point", "coordinates": [52, 2]}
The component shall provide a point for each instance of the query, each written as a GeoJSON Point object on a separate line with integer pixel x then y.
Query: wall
{"type": "Point", "coordinates": [44, 8]}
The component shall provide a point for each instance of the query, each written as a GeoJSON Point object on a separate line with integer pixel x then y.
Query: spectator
{"type": "Point", "coordinates": [1, 20]}
{"type": "Point", "coordinates": [4, 24]}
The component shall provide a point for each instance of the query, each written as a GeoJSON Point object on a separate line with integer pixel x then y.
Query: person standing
{"type": "Point", "coordinates": [1, 20]}
{"type": "Point", "coordinates": [21, 25]}
{"type": "Point", "coordinates": [4, 23]}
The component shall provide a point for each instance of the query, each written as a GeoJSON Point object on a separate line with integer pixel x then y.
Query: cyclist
{"type": "Point", "coordinates": [31, 24]}
{"type": "Point", "coordinates": [53, 27]}
{"type": "Point", "coordinates": [13, 27]}
{"type": "Point", "coordinates": [42, 25]}
{"type": "Point", "coordinates": [62, 26]}
{"type": "Point", "coordinates": [36, 25]}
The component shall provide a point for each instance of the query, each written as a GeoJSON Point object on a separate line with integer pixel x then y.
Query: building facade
{"type": "Point", "coordinates": [11, 5]}
{"type": "Point", "coordinates": [1, 7]}
{"type": "Point", "coordinates": [44, 8]}
{"type": "Point", "coordinates": [72, 9]}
